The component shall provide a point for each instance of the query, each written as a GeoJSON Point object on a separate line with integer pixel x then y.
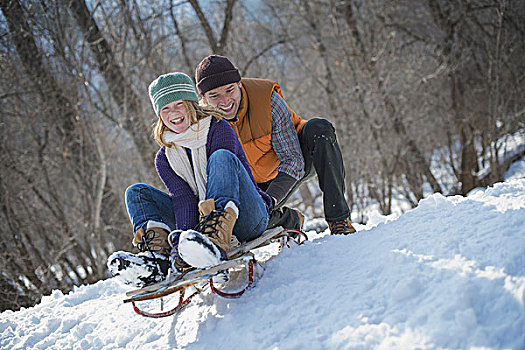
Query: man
{"type": "Point", "coordinates": [282, 148]}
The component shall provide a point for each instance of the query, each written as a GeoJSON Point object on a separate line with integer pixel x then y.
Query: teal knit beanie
{"type": "Point", "coordinates": [169, 88]}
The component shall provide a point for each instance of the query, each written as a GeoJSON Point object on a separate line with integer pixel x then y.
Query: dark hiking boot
{"type": "Point", "coordinates": [343, 227]}
{"type": "Point", "coordinates": [287, 218]}
{"type": "Point", "coordinates": [301, 219]}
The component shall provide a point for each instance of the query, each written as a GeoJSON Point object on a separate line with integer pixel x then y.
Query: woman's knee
{"type": "Point", "coordinates": [135, 190]}
{"type": "Point", "coordinates": [222, 158]}
{"type": "Point", "coordinates": [221, 155]}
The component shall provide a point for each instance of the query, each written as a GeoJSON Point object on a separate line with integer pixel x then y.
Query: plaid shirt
{"type": "Point", "coordinates": [285, 141]}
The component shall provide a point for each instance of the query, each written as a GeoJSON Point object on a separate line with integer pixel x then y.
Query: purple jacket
{"type": "Point", "coordinates": [220, 136]}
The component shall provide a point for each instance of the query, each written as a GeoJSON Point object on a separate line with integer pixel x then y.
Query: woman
{"type": "Point", "coordinates": [210, 186]}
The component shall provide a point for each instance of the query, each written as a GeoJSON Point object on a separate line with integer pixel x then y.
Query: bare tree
{"type": "Point", "coordinates": [217, 46]}
{"type": "Point", "coordinates": [480, 49]}
{"type": "Point", "coordinates": [116, 80]}
{"type": "Point", "coordinates": [412, 87]}
{"type": "Point", "coordinates": [54, 185]}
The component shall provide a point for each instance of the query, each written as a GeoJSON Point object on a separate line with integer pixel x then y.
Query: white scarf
{"type": "Point", "coordinates": [194, 138]}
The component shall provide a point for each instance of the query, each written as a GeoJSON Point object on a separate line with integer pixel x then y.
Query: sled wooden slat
{"type": "Point", "coordinates": [239, 254]}
{"type": "Point", "coordinates": [239, 257]}
{"type": "Point", "coordinates": [265, 237]}
{"type": "Point", "coordinates": [163, 292]}
{"type": "Point", "coordinates": [190, 278]}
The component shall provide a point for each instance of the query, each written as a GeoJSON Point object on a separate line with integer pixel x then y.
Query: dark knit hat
{"type": "Point", "coordinates": [169, 88]}
{"type": "Point", "coordinates": [215, 71]}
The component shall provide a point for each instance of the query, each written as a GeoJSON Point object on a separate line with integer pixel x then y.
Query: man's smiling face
{"type": "Point", "coordinates": [226, 98]}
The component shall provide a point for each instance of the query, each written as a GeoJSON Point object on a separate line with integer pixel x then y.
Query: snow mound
{"type": "Point", "coordinates": [447, 274]}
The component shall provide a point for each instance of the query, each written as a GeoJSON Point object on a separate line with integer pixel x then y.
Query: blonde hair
{"type": "Point", "coordinates": [195, 112]}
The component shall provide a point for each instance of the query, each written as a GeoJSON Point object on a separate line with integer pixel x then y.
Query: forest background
{"type": "Point", "coordinates": [426, 96]}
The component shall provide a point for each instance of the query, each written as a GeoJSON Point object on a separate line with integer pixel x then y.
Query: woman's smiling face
{"type": "Point", "coordinates": [175, 116]}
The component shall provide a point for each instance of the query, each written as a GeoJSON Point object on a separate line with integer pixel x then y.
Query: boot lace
{"type": "Point", "coordinates": [146, 239]}
{"type": "Point", "coordinates": [144, 246]}
{"type": "Point", "coordinates": [340, 227]}
{"type": "Point", "coordinates": [208, 223]}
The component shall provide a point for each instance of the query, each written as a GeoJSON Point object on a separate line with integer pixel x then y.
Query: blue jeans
{"type": "Point", "coordinates": [228, 180]}
{"type": "Point", "coordinates": [146, 203]}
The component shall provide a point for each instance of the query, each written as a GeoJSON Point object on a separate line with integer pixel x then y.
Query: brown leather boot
{"type": "Point", "coordinates": [342, 227]}
{"type": "Point", "coordinates": [217, 224]}
{"type": "Point", "coordinates": [153, 239]}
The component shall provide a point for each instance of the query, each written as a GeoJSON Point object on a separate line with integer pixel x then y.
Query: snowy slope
{"type": "Point", "coordinates": [448, 274]}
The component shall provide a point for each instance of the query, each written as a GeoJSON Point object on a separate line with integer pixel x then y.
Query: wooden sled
{"type": "Point", "coordinates": [200, 279]}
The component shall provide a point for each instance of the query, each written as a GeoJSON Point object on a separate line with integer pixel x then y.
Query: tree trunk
{"type": "Point", "coordinates": [115, 79]}
{"type": "Point", "coordinates": [412, 150]}
{"type": "Point", "coordinates": [34, 66]}
{"type": "Point", "coordinates": [469, 157]}
{"type": "Point", "coordinates": [217, 46]}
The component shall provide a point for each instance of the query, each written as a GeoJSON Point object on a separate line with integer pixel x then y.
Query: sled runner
{"type": "Point", "coordinates": [199, 279]}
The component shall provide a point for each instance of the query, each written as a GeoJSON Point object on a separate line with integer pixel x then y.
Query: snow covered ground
{"type": "Point", "coordinates": [447, 274]}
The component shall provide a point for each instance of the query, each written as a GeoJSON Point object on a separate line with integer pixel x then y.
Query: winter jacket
{"type": "Point", "coordinates": [185, 202]}
{"type": "Point", "coordinates": [254, 127]}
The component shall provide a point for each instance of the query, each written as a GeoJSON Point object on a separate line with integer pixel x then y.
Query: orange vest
{"type": "Point", "coordinates": [254, 127]}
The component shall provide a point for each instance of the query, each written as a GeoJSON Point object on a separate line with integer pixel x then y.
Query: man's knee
{"type": "Point", "coordinates": [318, 129]}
